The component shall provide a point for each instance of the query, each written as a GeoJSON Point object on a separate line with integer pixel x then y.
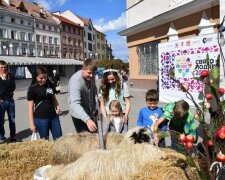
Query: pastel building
{"type": "Point", "coordinates": [150, 23]}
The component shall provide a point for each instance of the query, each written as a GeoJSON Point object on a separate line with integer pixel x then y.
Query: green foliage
{"type": "Point", "coordinates": [113, 64]}
{"type": "Point", "coordinates": [215, 73]}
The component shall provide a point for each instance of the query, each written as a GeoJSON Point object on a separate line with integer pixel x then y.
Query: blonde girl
{"type": "Point", "coordinates": [115, 121]}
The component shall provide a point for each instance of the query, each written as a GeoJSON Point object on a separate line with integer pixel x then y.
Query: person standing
{"type": "Point", "coordinates": [82, 97]}
{"type": "Point", "coordinates": [43, 107]}
{"type": "Point", "coordinates": [7, 104]}
{"type": "Point", "coordinates": [56, 80]}
{"type": "Point", "coordinates": [113, 88]}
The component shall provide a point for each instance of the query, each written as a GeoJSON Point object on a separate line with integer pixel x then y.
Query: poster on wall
{"type": "Point", "coordinates": [183, 56]}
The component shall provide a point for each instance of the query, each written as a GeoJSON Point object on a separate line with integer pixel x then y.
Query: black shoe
{"type": "Point", "coordinates": [2, 141]}
{"type": "Point", "coordinates": [14, 139]}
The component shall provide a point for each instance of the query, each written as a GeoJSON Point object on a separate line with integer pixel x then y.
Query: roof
{"type": "Point", "coordinates": [33, 9]}
{"type": "Point", "coordinates": [15, 60]}
{"type": "Point", "coordinates": [85, 20]}
{"type": "Point", "coordinates": [63, 19]}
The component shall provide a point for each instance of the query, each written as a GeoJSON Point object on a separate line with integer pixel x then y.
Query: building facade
{"type": "Point", "coordinates": [100, 45]}
{"type": "Point", "coordinates": [71, 38]}
{"type": "Point", "coordinates": [152, 22]}
{"type": "Point", "coordinates": [16, 32]}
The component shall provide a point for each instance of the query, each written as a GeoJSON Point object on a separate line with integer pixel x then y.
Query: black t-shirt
{"type": "Point", "coordinates": [42, 97]}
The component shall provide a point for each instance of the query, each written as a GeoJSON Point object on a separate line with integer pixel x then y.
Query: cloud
{"type": "Point", "coordinates": [46, 4]}
{"type": "Point", "coordinates": [112, 25]}
{"type": "Point", "coordinates": [61, 2]}
{"type": "Point", "coordinates": [49, 4]}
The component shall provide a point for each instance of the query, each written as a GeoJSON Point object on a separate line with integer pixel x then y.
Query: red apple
{"type": "Point", "coordinates": [190, 138]}
{"type": "Point", "coordinates": [220, 134]}
{"type": "Point", "coordinates": [222, 128]}
{"type": "Point", "coordinates": [209, 96]}
{"type": "Point", "coordinates": [221, 90]}
{"type": "Point", "coordinates": [220, 157]}
{"type": "Point", "coordinates": [182, 138]}
{"type": "Point", "coordinates": [204, 73]}
{"type": "Point", "coordinates": [188, 145]}
{"type": "Point", "coordinates": [210, 143]}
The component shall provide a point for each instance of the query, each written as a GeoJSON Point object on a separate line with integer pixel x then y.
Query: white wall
{"type": "Point", "coordinates": [150, 9]}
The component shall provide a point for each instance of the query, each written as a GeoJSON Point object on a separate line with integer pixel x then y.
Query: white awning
{"type": "Point", "coordinates": [18, 60]}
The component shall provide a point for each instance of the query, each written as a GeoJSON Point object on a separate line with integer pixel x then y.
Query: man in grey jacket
{"type": "Point", "coordinates": [82, 97]}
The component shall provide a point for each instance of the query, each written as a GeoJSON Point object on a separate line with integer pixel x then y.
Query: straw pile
{"type": "Point", "coordinates": [139, 161]}
{"type": "Point", "coordinates": [170, 167]}
{"type": "Point", "coordinates": [20, 160]}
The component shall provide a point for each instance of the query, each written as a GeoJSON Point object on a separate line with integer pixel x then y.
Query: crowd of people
{"type": "Point", "coordinates": [111, 100]}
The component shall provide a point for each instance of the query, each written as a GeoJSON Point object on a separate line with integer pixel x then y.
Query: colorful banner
{"type": "Point", "coordinates": [183, 56]}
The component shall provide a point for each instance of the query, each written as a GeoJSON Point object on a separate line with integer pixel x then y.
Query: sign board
{"type": "Point", "coordinates": [182, 56]}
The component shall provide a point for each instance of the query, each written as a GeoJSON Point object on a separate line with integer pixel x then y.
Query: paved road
{"type": "Point", "coordinates": [22, 123]}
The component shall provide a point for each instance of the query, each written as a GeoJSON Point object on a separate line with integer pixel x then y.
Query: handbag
{"type": "Point", "coordinates": [35, 136]}
{"type": "Point", "coordinates": [57, 88]}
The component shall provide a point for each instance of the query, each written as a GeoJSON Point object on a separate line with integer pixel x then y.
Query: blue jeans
{"type": "Point", "coordinates": [9, 107]}
{"type": "Point", "coordinates": [44, 125]}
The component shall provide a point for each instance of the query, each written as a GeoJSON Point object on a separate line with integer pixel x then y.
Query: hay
{"type": "Point", "coordinates": [170, 167]}
{"type": "Point", "coordinates": [19, 160]}
{"type": "Point", "coordinates": [70, 147]}
{"type": "Point", "coordinates": [140, 161]}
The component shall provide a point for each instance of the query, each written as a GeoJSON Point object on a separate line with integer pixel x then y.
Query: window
{"type": "Point", "coordinates": [43, 26]}
{"type": "Point", "coordinates": [13, 34]}
{"type": "Point", "coordinates": [98, 45]}
{"type": "Point", "coordinates": [24, 50]}
{"type": "Point", "coordinates": [37, 25]}
{"type": "Point", "coordinates": [97, 36]}
{"type": "Point", "coordinates": [31, 50]}
{"type": "Point", "coordinates": [69, 40]}
{"type": "Point", "coordinates": [55, 41]}
{"type": "Point", "coordinates": [89, 46]}
{"type": "Point", "coordinates": [38, 38]}
{"type": "Point", "coordinates": [1, 18]}
{"type": "Point", "coordinates": [64, 39]}
{"type": "Point", "coordinates": [44, 39]}
{"type": "Point", "coordinates": [30, 37]}
{"type": "Point", "coordinates": [22, 36]}
{"type": "Point", "coordinates": [103, 47]}
{"type": "Point", "coordinates": [50, 40]}
{"type": "Point", "coordinates": [148, 58]}
{"type": "Point", "coordinates": [21, 21]}
{"type": "Point", "coordinates": [13, 20]}
{"type": "Point", "coordinates": [2, 33]}
{"type": "Point", "coordinates": [15, 47]}
{"type": "Point", "coordinates": [89, 37]}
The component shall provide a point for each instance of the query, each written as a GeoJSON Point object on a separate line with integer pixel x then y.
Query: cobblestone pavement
{"type": "Point", "coordinates": [22, 123]}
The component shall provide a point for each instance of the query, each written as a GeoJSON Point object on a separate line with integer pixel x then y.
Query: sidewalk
{"type": "Point", "coordinates": [22, 122]}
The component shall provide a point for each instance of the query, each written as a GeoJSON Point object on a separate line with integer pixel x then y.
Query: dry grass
{"type": "Point", "coordinates": [19, 160]}
{"type": "Point", "coordinates": [139, 161]}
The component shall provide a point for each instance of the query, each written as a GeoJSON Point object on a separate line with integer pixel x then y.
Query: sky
{"type": "Point", "coordinates": [108, 16]}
